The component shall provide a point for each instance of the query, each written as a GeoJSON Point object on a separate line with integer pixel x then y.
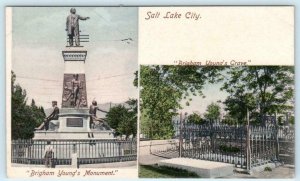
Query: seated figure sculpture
{"type": "Point", "coordinates": [94, 120]}
{"type": "Point", "coordinates": [52, 116]}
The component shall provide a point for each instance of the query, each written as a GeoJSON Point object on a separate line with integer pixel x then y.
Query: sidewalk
{"type": "Point", "coordinates": [125, 165]}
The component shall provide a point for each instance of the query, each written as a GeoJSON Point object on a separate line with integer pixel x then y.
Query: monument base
{"type": "Point", "coordinates": [73, 124]}
{"type": "Point", "coordinates": [54, 135]}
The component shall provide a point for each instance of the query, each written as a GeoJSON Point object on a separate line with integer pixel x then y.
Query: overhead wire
{"type": "Point", "coordinates": [127, 40]}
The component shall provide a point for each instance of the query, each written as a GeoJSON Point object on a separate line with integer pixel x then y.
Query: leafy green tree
{"type": "Point", "coordinates": [131, 127]}
{"type": "Point", "coordinates": [123, 119]}
{"type": "Point", "coordinates": [260, 89]}
{"type": "Point", "coordinates": [162, 89]}
{"type": "Point", "coordinates": [196, 119]}
{"type": "Point", "coordinates": [292, 120]}
{"type": "Point", "coordinates": [135, 80]}
{"type": "Point", "coordinates": [24, 118]}
{"type": "Point", "coordinates": [38, 113]}
{"type": "Point", "coordinates": [229, 120]}
{"type": "Point", "coordinates": [237, 105]}
{"type": "Point", "coordinates": [213, 112]}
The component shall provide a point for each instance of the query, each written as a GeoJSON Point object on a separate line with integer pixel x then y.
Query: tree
{"type": "Point", "coordinates": [229, 120]}
{"type": "Point", "coordinates": [124, 120]}
{"type": "Point", "coordinates": [38, 113]}
{"type": "Point", "coordinates": [196, 119]}
{"type": "Point", "coordinates": [260, 89]}
{"type": "Point", "coordinates": [162, 89]}
{"type": "Point", "coordinates": [238, 104]}
{"type": "Point", "coordinates": [213, 112]}
{"type": "Point", "coordinates": [24, 118]}
{"type": "Point", "coordinates": [292, 120]}
{"type": "Point", "coordinates": [129, 127]}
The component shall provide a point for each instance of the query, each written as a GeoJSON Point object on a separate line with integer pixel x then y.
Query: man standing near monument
{"type": "Point", "coordinates": [48, 155]}
{"type": "Point", "coordinates": [52, 116]}
{"type": "Point", "coordinates": [72, 26]}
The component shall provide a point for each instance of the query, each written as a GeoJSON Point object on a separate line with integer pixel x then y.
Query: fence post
{"type": "Point", "coordinates": [74, 156]}
{"type": "Point", "coordinates": [180, 135]}
{"type": "Point", "coordinates": [212, 135]}
{"type": "Point", "coordinates": [277, 139]}
{"type": "Point", "coordinates": [248, 143]}
{"type": "Point", "coordinates": [150, 147]}
{"type": "Point", "coordinates": [120, 151]}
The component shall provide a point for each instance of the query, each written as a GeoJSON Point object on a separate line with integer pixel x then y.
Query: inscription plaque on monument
{"type": "Point", "coordinates": [74, 122]}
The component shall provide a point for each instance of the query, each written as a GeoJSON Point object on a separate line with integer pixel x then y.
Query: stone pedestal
{"type": "Point", "coordinates": [55, 135]}
{"type": "Point", "coordinates": [73, 124]}
{"type": "Point", "coordinates": [74, 117]}
{"type": "Point", "coordinates": [74, 82]}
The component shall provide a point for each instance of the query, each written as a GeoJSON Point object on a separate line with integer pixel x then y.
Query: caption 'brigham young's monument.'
{"type": "Point", "coordinates": [75, 120]}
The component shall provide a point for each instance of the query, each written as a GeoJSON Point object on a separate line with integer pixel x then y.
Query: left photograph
{"type": "Point", "coordinates": [71, 91]}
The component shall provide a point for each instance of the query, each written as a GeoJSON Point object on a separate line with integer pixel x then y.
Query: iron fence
{"type": "Point", "coordinates": [87, 151]}
{"type": "Point", "coordinates": [245, 146]}
{"type": "Point", "coordinates": [214, 142]}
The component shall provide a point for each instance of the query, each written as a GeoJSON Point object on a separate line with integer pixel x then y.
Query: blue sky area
{"type": "Point", "coordinates": [39, 36]}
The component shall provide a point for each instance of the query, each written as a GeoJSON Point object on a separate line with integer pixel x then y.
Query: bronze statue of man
{"type": "Point", "coordinates": [52, 116]}
{"type": "Point", "coordinates": [94, 119]}
{"type": "Point", "coordinates": [72, 26]}
{"type": "Point", "coordinates": [76, 85]}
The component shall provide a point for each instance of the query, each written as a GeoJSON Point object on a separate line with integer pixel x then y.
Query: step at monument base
{"type": "Point", "coordinates": [54, 135]}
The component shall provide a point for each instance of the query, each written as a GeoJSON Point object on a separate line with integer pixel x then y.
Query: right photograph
{"type": "Point", "coordinates": [217, 121]}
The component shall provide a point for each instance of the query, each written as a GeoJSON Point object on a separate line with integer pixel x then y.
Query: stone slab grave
{"type": "Point", "coordinates": [203, 168]}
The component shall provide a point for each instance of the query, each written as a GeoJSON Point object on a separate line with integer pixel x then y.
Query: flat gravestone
{"type": "Point", "coordinates": [203, 168]}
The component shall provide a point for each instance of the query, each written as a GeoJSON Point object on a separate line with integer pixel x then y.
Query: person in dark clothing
{"type": "Point", "coordinates": [48, 155]}
{"type": "Point", "coordinates": [52, 116]}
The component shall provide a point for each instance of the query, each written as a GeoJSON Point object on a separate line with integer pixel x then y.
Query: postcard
{"type": "Point", "coordinates": [150, 92]}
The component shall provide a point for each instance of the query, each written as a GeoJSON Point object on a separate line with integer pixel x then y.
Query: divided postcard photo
{"type": "Point", "coordinates": [150, 92]}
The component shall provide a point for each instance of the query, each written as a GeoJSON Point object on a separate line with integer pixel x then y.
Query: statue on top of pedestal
{"type": "Point", "coordinates": [72, 26]}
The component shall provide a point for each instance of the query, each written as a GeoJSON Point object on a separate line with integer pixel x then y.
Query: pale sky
{"type": "Point", "coordinates": [199, 104]}
{"type": "Point", "coordinates": [39, 37]}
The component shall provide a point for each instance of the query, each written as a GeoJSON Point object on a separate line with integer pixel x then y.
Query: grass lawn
{"type": "Point", "coordinates": [154, 171]}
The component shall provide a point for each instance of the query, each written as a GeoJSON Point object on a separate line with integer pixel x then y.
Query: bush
{"type": "Point", "coordinates": [229, 149]}
{"type": "Point", "coordinates": [268, 169]}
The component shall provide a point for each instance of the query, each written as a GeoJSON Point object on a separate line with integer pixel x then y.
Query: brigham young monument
{"type": "Point", "coordinates": [74, 120]}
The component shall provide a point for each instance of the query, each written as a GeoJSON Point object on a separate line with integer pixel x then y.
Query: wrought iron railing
{"type": "Point", "coordinates": [87, 151]}
{"type": "Point", "coordinates": [244, 146]}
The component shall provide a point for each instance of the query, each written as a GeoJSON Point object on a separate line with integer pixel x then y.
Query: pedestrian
{"type": "Point", "coordinates": [48, 155]}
